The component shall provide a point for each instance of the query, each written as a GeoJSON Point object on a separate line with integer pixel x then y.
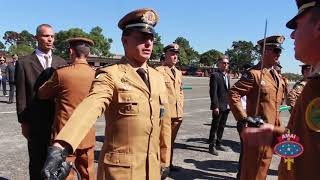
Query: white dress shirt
{"type": "Point", "coordinates": [41, 56]}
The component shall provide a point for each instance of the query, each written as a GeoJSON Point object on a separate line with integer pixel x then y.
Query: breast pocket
{"type": "Point", "coordinates": [128, 103]}
{"type": "Point", "coordinates": [118, 165]}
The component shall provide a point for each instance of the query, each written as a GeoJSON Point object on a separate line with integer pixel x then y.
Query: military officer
{"type": "Point", "coordinates": [68, 86]}
{"type": "Point", "coordinates": [298, 86]}
{"type": "Point", "coordinates": [173, 81]}
{"type": "Point", "coordinates": [134, 100]}
{"type": "Point", "coordinates": [304, 120]}
{"type": "Point", "coordinates": [255, 161]}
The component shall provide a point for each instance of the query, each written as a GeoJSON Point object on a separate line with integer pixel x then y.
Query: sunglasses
{"type": "Point", "coordinates": [275, 50]}
{"type": "Point", "coordinates": [224, 62]}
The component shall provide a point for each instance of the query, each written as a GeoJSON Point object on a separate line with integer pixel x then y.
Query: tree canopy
{"type": "Point", "coordinates": [187, 53]}
{"type": "Point", "coordinates": [157, 47]}
{"type": "Point", "coordinates": [102, 44]}
{"type": "Point", "coordinates": [241, 53]}
{"type": "Point", "coordinates": [210, 57]}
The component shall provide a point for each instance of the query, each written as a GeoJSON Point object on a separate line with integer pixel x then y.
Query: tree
{"type": "Point", "coordinates": [20, 49]}
{"type": "Point", "coordinates": [27, 38]}
{"type": "Point", "coordinates": [20, 43]}
{"type": "Point", "coordinates": [241, 53]}
{"type": "Point", "coordinates": [15, 38]}
{"type": "Point", "coordinates": [157, 47]}
{"type": "Point", "coordinates": [102, 44]}
{"type": "Point", "coordinates": [101, 47]}
{"type": "Point", "coordinates": [187, 53]}
{"type": "Point", "coordinates": [292, 76]}
{"type": "Point", "coordinates": [2, 46]}
{"type": "Point", "coordinates": [11, 37]}
{"type": "Point", "coordinates": [210, 57]}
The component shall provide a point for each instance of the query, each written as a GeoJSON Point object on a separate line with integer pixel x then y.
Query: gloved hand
{"type": "Point", "coordinates": [164, 172]}
{"type": "Point", "coordinates": [55, 166]}
{"type": "Point", "coordinates": [254, 121]}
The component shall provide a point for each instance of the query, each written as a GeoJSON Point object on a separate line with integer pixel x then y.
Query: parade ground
{"type": "Point", "coordinates": [191, 149]}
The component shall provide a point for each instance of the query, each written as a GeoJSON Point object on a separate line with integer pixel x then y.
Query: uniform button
{"type": "Point", "coordinates": [118, 161]}
{"type": "Point", "coordinates": [152, 117]}
{"type": "Point", "coordinates": [128, 99]}
{"type": "Point", "coordinates": [150, 99]}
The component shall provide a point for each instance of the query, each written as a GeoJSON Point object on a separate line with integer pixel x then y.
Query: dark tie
{"type": "Point", "coordinates": [142, 74]}
{"type": "Point", "coordinates": [173, 72]}
{"type": "Point", "coordinates": [273, 73]}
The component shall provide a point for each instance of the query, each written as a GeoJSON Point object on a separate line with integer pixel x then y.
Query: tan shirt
{"type": "Point", "coordinates": [174, 89]}
{"type": "Point", "coordinates": [305, 110]}
{"type": "Point", "coordinates": [257, 158]}
{"type": "Point", "coordinates": [138, 126]}
{"type": "Point", "coordinates": [69, 86]}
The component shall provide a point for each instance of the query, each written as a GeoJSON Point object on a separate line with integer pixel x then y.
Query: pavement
{"type": "Point", "coordinates": [191, 150]}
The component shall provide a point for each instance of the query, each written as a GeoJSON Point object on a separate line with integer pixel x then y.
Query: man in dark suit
{"type": "Point", "coordinates": [219, 86]}
{"type": "Point", "coordinates": [10, 74]}
{"type": "Point", "coordinates": [36, 115]}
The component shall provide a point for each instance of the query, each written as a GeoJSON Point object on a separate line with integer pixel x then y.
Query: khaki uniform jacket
{"type": "Point", "coordinates": [174, 89]}
{"type": "Point", "coordinates": [256, 161]}
{"type": "Point", "coordinates": [295, 92]}
{"type": "Point", "coordinates": [138, 125]}
{"type": "Point", "coordinates": [305, 166]}
{"type": "Point", "coordinates": [69, 85]}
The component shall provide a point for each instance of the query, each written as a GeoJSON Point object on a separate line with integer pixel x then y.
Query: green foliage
{"type": "Point", "coordinates": [2, 46]}
{"type": "Point", "coordinates": [27, 38]}
{"type": "Point", "coordinates": [210, 57]}
{"type": "Point", "coordinates": [187, 53]}
{"type": "Point", "coordinates": [102, 44]}
{"type": "Point", "coordinates": [101, 47]}
{"type": "Point", "coordinates": [23, 38]}
{"type": "Point", "coordinates": [292, 76]}
{"type": "Point", "coordinates": [157, 47]}
{"type": "Point", "coordinates": [241, 52]}
{"type": "Point", "coordinates": [20, 49]}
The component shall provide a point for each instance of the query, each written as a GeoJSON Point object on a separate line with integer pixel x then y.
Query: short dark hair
{"type": "Point", "coordinates": [38, 31]}
{"type": "Point", "coordinates": [221, 58]}
{"type": "Point", "coordinates": [81, 49]}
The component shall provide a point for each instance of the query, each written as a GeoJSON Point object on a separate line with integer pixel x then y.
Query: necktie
{"type": "Point", "coordinates": [142, 74]}
{"type": "Point", "coordinates": [173, 72]}
{"type": "Point", "coordinates": [273, 74]}
{"type": "Point", "coordinates": [47, 58]}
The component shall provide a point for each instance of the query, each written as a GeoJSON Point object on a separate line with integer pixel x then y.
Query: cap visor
{"type": "Point", "coordinates": [292, 23]}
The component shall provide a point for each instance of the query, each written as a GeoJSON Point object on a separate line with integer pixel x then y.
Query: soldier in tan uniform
{"type": "Point", "coordinates": [298, 86]}
{"type": "Point", "coordinates": [255, 161]}
{"type": "Point", "coordinates": [304, 120]}
{"type": "Point", "coordinates": [173, 81]}
{"type": "Point", "coordinates": [134, 100]}
{"type": "Point", "coordinates": [68, 86]}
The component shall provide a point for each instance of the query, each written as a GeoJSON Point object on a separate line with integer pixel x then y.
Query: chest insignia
{"type": "Point", "coordinates": [313, 115]}
{"type": "Point", "coordinates": [288, 148]}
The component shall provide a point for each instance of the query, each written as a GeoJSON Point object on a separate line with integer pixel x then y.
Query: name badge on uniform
{"type": "Point", "coordinates": [162, 111]}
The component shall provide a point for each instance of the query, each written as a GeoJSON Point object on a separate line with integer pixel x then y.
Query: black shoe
{"type": "Point", "coordinates": [213, 151]}
{"type": "Point", "coordinates": [222, 148]}
{"type": "Point", "coordinates": [174, 168]}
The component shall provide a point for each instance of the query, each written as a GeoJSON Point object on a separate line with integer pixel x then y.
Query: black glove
{"type": "Point", "coordinates": [164, 172]}
{"type": "Point", "coordinates": [55, 166]}
{"type": "Point", "coordinates": [254, 121]}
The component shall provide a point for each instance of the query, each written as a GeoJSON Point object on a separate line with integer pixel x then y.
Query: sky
{"type": "Point", "coordinates": [206, 24]}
